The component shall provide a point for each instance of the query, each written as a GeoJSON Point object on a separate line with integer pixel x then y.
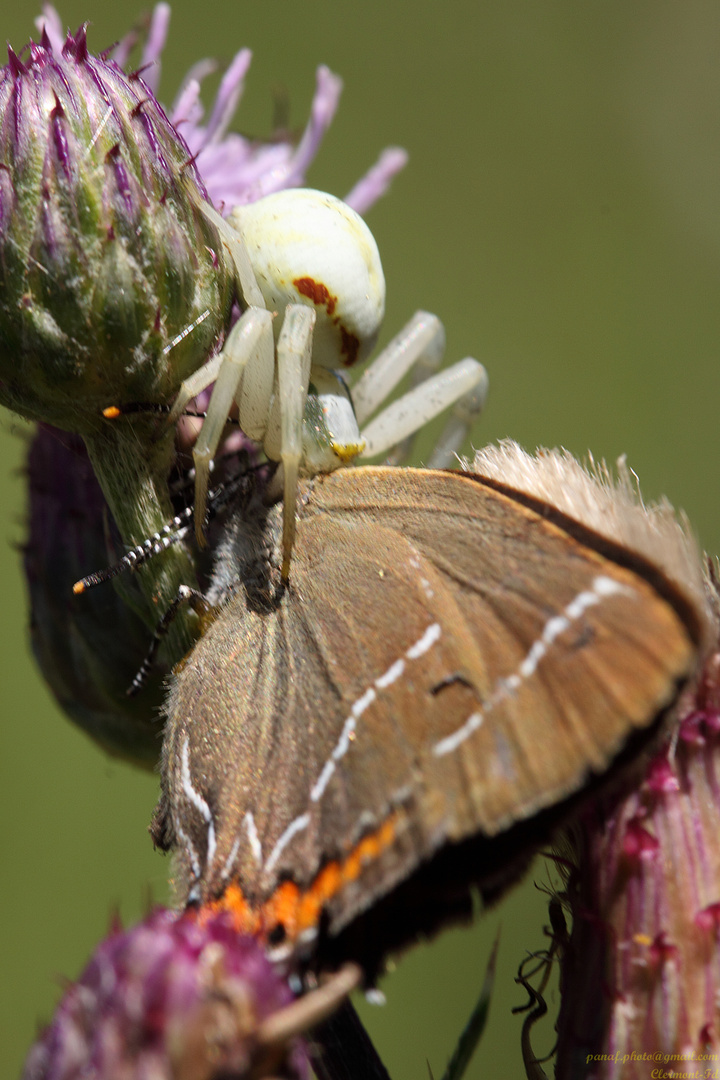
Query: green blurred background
{"type": "Point", "coordinates": [561, 215]}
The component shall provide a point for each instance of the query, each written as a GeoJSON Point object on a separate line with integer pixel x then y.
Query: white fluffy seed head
{"type": "Point", "coordinates": [310, 248]}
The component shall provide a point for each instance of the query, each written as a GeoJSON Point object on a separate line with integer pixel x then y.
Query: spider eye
{"type": "Point", "coordinates": [310, 248]}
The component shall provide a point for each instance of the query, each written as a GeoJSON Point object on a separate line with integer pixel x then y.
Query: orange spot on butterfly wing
{"type": "Point", "coordinates": [323, 888]}
{"type": "Point", "coordinates": [245, 918]}
{"type": "Point", "coordinates": [282, 909]}
{"type": "Point", "coordinates": [295, 910]}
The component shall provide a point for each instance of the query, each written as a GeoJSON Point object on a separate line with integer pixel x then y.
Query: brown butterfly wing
{"type": "Point", "coordinates": [580, 651]}
{"type": "Point", "coordinates": [258, 712]}
{"type": "Point", "coordinates": [446, 661]}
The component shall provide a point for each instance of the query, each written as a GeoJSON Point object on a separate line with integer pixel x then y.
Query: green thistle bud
{"type": "Point", "coordinates": [111, 288]}
{"type": "Point", "coordinates": [113, 285]}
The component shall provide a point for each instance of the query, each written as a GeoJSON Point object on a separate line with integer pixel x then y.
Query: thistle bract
{"type": "Point", "coordinates": [640, 975]}
{"type": "Point", "coordinates": [111, 282]}
{"type": "Point", "coordinates": [173, 998]}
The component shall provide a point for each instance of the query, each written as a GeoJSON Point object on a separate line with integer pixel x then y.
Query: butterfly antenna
{"type": "Point", "coordinates": [160, 541]}
{"type": "Point", "coordinates": [175, 530]}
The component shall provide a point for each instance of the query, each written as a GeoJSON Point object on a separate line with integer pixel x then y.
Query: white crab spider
{"type": "Point", "coordinates": [310, 278]}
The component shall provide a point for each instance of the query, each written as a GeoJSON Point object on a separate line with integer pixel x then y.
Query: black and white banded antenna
{"type": "Point", "coordinates": [132, 408]}
{"type": "Point", "coordinates": [175, 530]}
{"type": "Point", "coordinates": [160, 541]}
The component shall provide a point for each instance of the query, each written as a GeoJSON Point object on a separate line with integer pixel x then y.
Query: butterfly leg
{"type": "Point", "coordinates": [185, 595]}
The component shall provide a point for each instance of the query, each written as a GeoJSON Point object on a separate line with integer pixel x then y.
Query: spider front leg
{"type": "Point", "coordinates": [463, 415]}
{"type": "Point", "coordinates": [284, 438]}
{"type": "Point", "coordinates": [418, 347]}
{"type": "Point", "coordinates": [244, 373]}
{"type": "Point", "coordinates": [247, 282]}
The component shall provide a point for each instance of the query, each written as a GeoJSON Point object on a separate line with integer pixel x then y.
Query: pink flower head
{"type": "Point", "coordinates": [173, 998]}
{"type": "Point", "coordinates": [236, 169]}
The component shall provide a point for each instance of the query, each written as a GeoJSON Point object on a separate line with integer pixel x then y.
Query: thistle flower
{"type": "Point", "coordinates": [114, 285]}
{"type": "Point", "coordinates": [106, 256]}
{"type": "Point", "coordinates": [640, 978]}
{"type": "Point", "coordinates": [174, 998]}
{"type": "Point", "coordinates": [112, 282]}
{"type": "Point", "coordinates": [235, 169]}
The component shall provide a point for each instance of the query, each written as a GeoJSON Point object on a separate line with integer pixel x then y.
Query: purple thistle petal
{"type": "Point", "coordinates": [237, 170]}
{"type": "Point", "coordinates": [154, 45]}
{"type": "Point", "coordinates": [228, 96]}
{"type": "Point", "coordinates": [325, 102]}
{"type": "Point", "coordinates": [188, 111]}
{"type": "Point", "coordinates": [373, 185]}
{"type": "Point", "coordinates": [188, 96]}
{"type": "Point", "coordinates": [51, 23]}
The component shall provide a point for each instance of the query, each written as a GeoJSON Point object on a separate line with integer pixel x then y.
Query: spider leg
{"type": "Point", "coordinates": [420, 405]}
{"type": "Point", "coordinates": [192, 386]}
{"type": "Point", "coordinates": [294, 351]}
{"type": "Point", "coordinates": [249, 288]}
{"type": "Point", "coordinates": [249, 345]}
{"type": "Point", "coordinates": [419, 345]}
{"type": "Point", "coordinates": [245, 374]}
{"type": "Point", "coordinates": [463, 415]}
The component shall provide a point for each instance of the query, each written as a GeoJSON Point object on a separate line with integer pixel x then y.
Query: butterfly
{"type": "Point", "coordinates": [456, 658]}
